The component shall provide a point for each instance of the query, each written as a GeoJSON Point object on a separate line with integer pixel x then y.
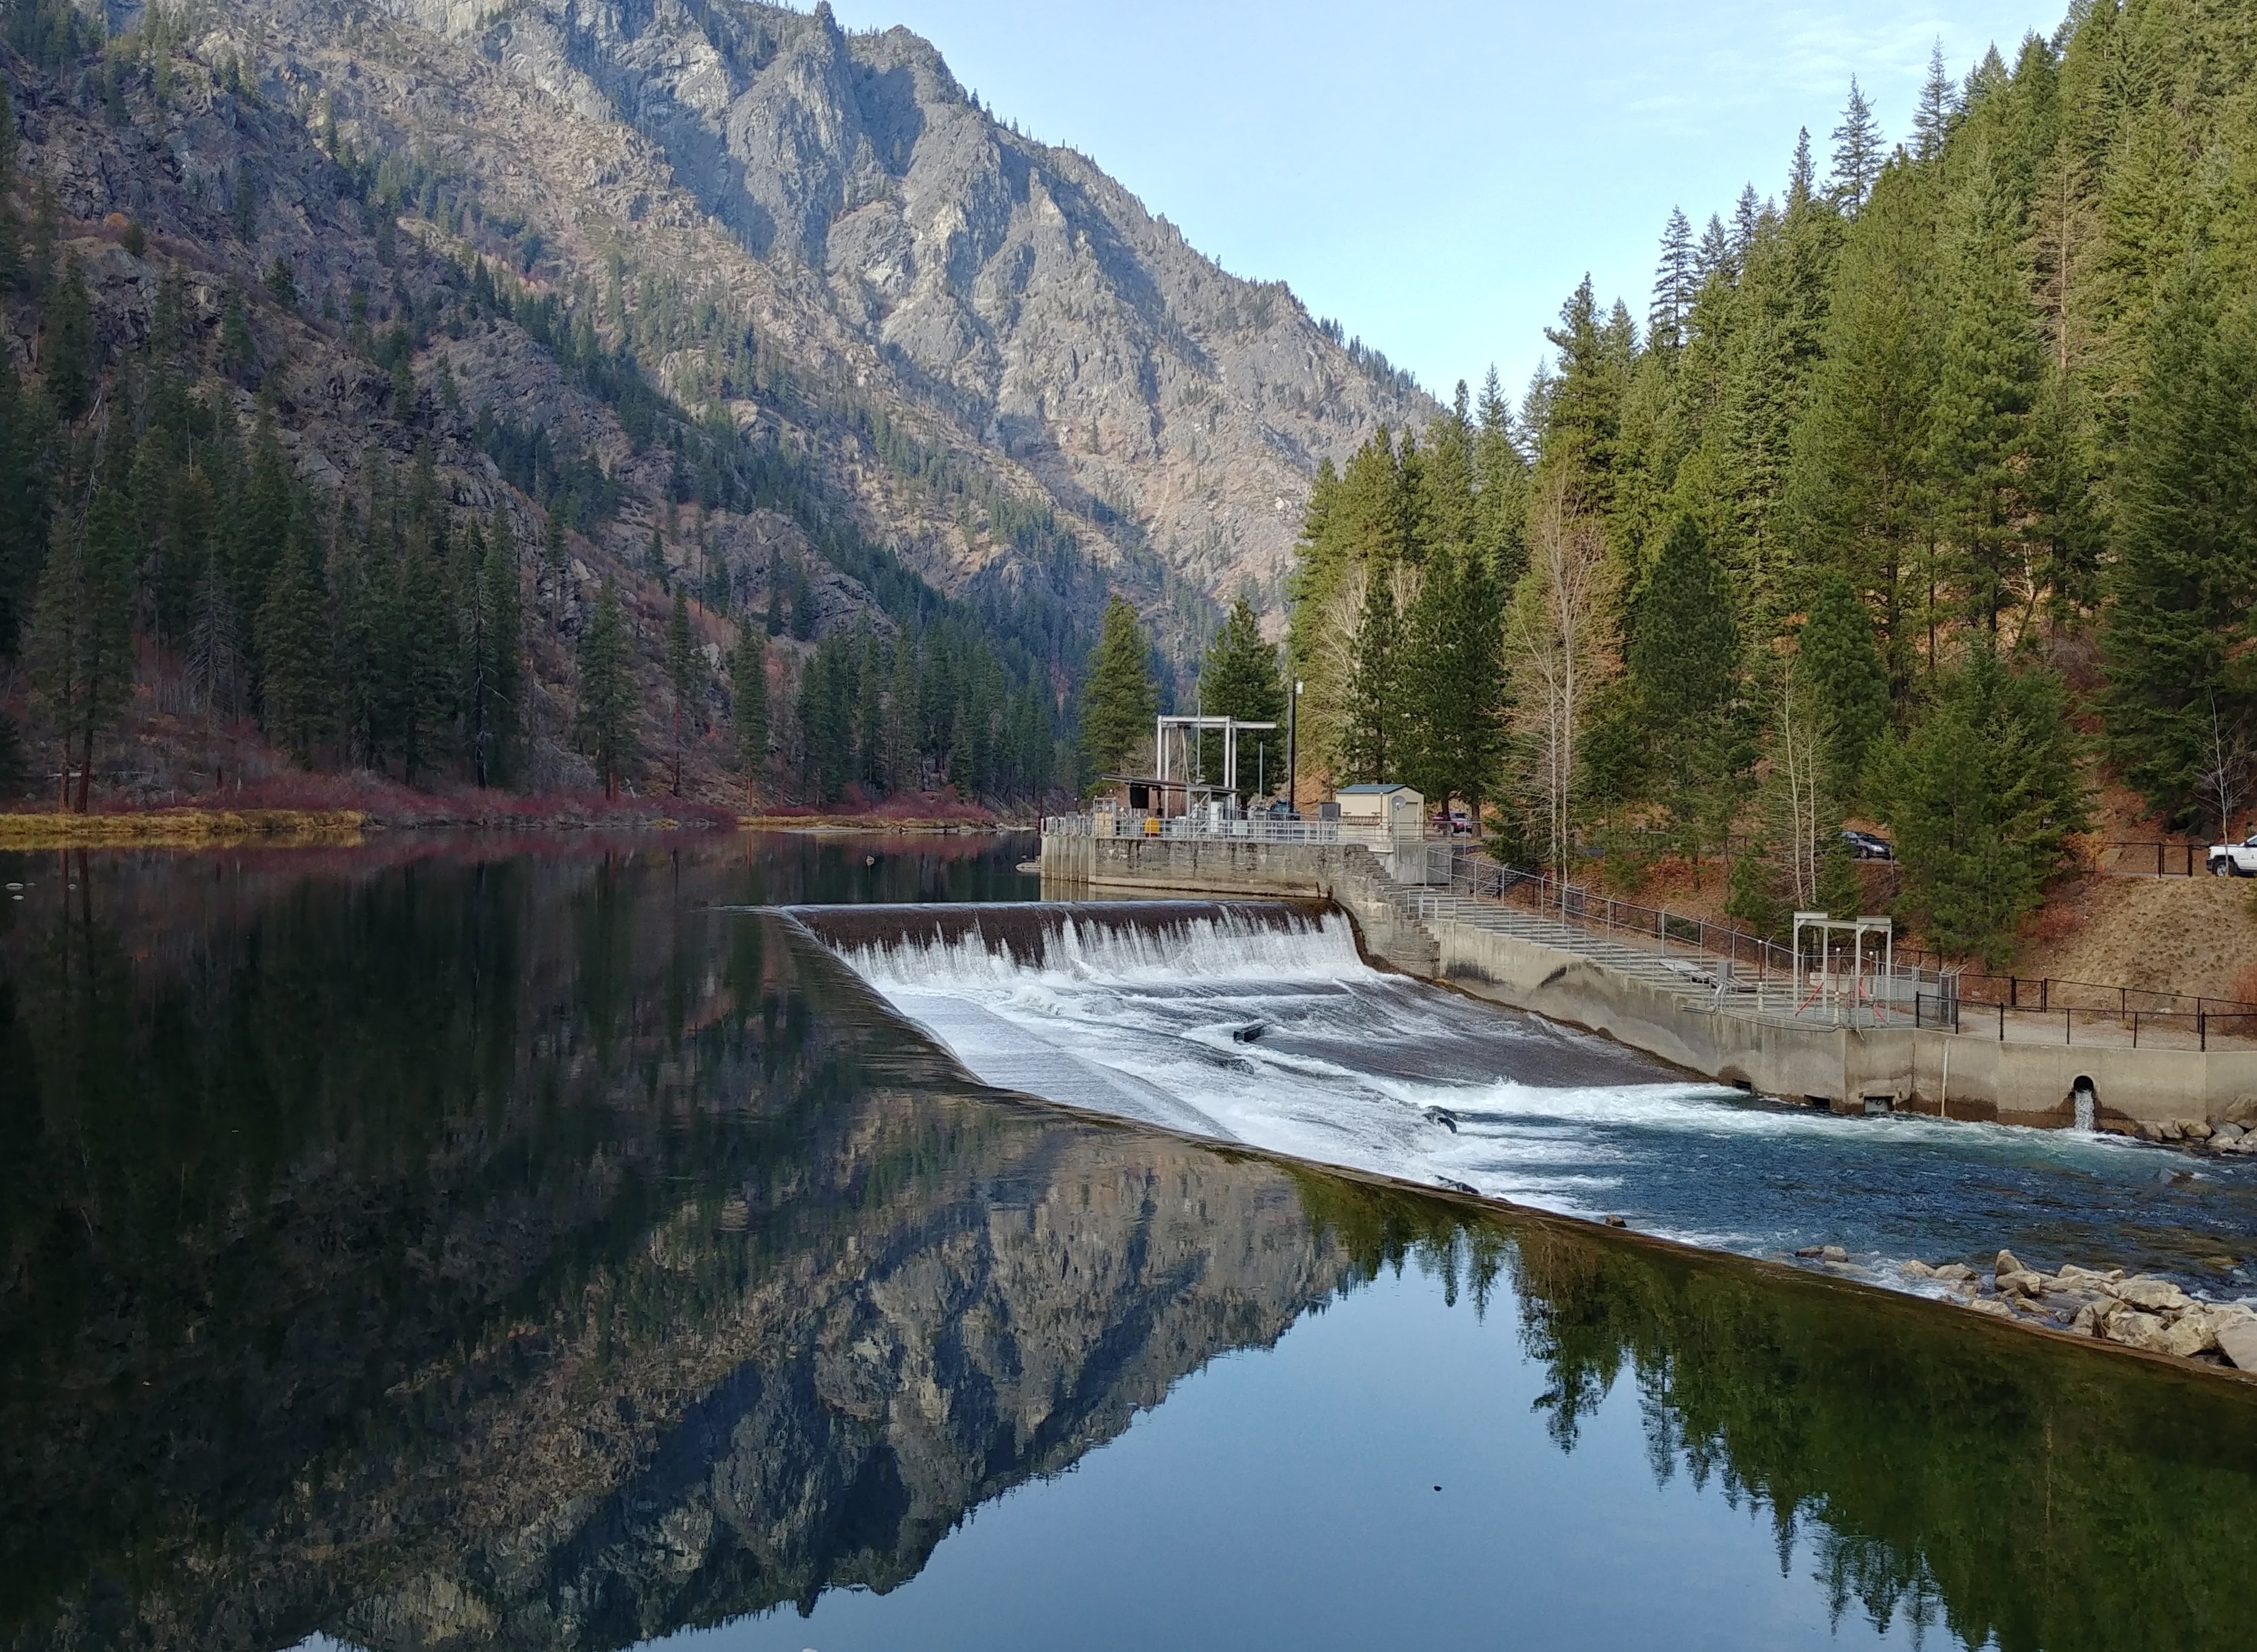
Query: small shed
{"type": "Point", "coordinates": [1386, 804]}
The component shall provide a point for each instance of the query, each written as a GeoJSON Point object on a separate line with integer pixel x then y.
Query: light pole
{"type": "Point", "coordinates": [1294, 751]}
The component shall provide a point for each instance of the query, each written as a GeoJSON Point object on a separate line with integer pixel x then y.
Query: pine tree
{"type": "Point", "coordinates": [1857, 494]}
{"type": "Point", "coordinates": [900, 729]}
{"type": "Point", "coordinates": [259, 522]}
{"type": "Point", "coordinates": [417, 665]}
{"type": "Point", "coordinates": [67, 344]}
{"type": "Point", "coordinates": [607, 707]}
{"type": "Point", "coordinates": [748, 697]}
{"type": "Point", "coordinates": [826, 722]}
{"type": "Point", "coordinates": [1982, 796]}
{"type": "Point", "coordinates": [1118, 699]}
{"type": "Point", "coordinates": [1939, 109]}
{"type": "Point", "coordinates": [1712, 259]}
{"type": "Point", "coordinates": [1675, 284]}
{"type": "Point", "coordinates": [1585, 414]}
{"type": "Point", "coordinates": [1372, 735]}
{"type": "Point", "coordinates": [294, 642]}
{"type": "Point", "coordinates": [216, 650]}
{"type": "Point", "coordinates": [15, 771]}
{"type": "Point", "coordinates": [80, 649]}
{"type": "Point", "coordinates": [870, 718]}
{"type": "Point", "coordinates": [682, 673]}
{"type": "Point", "coordinates": [2186, 578]}
{"type": "Point", "coordinates": [243, 209]}
{"type": "Point", "coordinates": [555, 551]}
{"type": "Point", "coordinates": [1802, 172]}
{"type": "Point", "coordinates": [492, 644]}
{"type": "Point", "coordinates": [1858, 153]}
{"type": "Point", "coordinates": [1456, 678]}
{"type": "Point", "coordinates": [27, 446]}
{"type": "Point", "coordinates": [1837, 657]}
{"type": "Point", "coordinates": [1986, 384]}
{"type": "Point", "coordinates": [1239, 679]}
{"type": "Point", "coordinates": [239, 356]}
{"type": "Point", "coordinates": [1684, 659]}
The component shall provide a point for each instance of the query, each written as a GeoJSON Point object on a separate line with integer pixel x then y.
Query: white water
{"type": "Point", "coordinates": [1139, 1023]}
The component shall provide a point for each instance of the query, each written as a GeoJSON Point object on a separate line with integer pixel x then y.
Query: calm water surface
{"type": "Point", "coordinates": [424, 1248]}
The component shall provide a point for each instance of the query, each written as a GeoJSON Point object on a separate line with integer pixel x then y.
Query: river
{"type": "Point", "coordinates": [555, 1244]}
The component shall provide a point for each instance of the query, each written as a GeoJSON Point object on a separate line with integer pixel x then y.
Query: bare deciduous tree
{"type": "Point", "coordinates": [2227, 763]}
{"type": "Point", "coordinates": [1556, 658]}
{"type": "Point", "coordinates": [1800, 812]}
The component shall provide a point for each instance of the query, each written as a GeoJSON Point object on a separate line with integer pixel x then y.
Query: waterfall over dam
{"type": "Point", "coordinates": [1260, 1022]}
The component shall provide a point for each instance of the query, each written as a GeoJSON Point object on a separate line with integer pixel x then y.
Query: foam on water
{"type": "Point", "coordinates": [1147, 1016]}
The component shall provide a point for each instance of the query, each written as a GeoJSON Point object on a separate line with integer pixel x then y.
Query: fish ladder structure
{"type": "Point", "coordinates": [1440, 912]}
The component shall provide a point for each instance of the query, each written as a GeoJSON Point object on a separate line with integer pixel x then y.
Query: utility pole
{"type": "Point", "coordinates": [1294, 751]}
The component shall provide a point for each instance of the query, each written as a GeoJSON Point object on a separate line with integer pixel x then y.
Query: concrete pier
{"type": "Point", "coordinates": [1668, 1013]}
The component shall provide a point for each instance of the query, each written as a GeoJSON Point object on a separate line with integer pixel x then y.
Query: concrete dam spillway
{"type": "Point", "coordinates": [1262, 1024]}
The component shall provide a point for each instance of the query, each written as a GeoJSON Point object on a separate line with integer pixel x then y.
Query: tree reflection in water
{"type": "Point", "coordinates": [524, 1249]}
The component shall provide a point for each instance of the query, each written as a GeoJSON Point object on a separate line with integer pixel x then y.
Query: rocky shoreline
{"type": "Point", "coordinates": [2139, 1311]}
{"type": "Point", "coordinates": [2196, 1136]}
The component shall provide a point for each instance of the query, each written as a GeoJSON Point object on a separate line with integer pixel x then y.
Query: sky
{"type": "Point", "coordinates": [1438, 176]}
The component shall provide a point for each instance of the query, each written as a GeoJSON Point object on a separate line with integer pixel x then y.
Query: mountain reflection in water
{"type": "Point", "coordinates": [513, 1248]}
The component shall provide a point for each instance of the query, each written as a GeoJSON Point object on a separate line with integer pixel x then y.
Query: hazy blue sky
{"type": "Point", "coordinates": [1438, 176]}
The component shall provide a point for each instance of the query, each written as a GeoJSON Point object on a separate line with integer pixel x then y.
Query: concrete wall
{"type": "Point", "coordinates": [1345, 873]}
{"type": "Point", "coordinates": [1960, 1075]}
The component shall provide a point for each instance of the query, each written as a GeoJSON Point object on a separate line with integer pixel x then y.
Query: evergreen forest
{"type": "Point", "coordinates": [253, 505]}
{"type": "Point", "coordinates": [1922, 494]}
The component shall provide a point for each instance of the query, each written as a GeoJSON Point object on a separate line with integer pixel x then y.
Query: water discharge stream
{"type": "Point", "coordinates": [1262, 1025]}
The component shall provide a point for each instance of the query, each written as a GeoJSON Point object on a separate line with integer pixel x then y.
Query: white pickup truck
{"type": "Point", "coordinates": [2235, 860]}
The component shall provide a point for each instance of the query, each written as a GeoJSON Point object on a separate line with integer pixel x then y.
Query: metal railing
{"type": "Point", "coordinates": [2130, 858]}
{"type": "Point", "coordinates": [1258, 828]}
{"type": "Point", "coordinates": [1748, 973]}
{"type": "Point", "coordinates": [2075, 1013]}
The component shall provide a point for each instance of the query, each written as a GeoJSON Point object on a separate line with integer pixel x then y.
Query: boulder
{"type": "Point", "coordinates": [1918, 1270]}
{"type": "Point", "coordinates": [2086, 1322]}
{"type": "Point", "coordinates": [2157, 1295]}
{"type": "Point", "coordinates": [2008, 1264]}
{"type": "Point", "coordinates": [2024, 1283]}
{"type": "Point", "coordinates": [2194, 1130]}
{"type": "Point", "coordinates": [2136, 1330]}
{"type": "Point", "coordinates": [2228, 1133]}
{"type": "Point", "coordinates": [2189, 1334]}
{"type": "Point", "coordinates": [1834, 1253]}
{"type": "Point", "coordinates": [2236, 1340]}
{"type": "Point", "coordinates": [1955, 1273]}
{"type": "Point", "coordinates": [1991, 1306]}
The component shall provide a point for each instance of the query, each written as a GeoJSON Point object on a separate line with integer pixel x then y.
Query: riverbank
{"type": "Point", "coordinates": [2135, 1310]}
{"type": "Point", "coordinates": [185, 828]}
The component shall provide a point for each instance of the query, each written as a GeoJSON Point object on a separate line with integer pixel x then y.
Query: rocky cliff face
{"type": "Point", "coordinates": [1002, 294]}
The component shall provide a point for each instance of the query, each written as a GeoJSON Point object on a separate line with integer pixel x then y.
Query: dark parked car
{"type": "Point", "coordinates": [1865, 846]}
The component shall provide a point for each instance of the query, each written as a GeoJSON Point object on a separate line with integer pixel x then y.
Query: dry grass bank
{"type": "Point", "coordinates": [2169, 934]}
{"type": "Point", "coordinates": [183, 828]}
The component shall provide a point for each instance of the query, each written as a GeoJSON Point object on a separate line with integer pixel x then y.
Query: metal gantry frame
{"type": "Point", "coordinates": [1821, 987]}
{"type": "Point", "coordinates": [1185, 728]}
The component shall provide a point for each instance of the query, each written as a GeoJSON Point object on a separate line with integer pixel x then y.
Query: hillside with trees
{"type": "Point", "coordinates": [1924, 493]}
{"type": "Point", "coordinates": [389, 396]}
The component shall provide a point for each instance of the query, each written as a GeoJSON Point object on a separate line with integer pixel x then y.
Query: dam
{"type": "Point", "coordinates": [1417, 910]}
{"type": "Point", "coordinates": [1263, 1025]}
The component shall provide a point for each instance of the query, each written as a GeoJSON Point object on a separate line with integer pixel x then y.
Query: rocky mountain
{"type": "Point", "coordinates": [893, 244]}
{"type": "Point", "coordinates": [713, 297]}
